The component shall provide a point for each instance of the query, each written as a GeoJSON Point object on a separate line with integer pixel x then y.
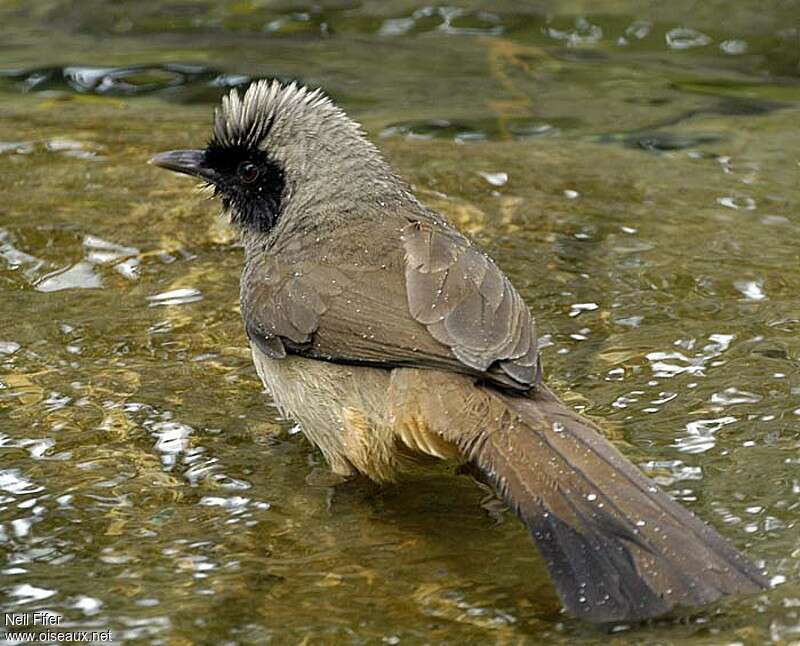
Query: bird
{"type": "Point", "coordinates": [394, 341]}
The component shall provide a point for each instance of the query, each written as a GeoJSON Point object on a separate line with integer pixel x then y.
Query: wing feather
{"type": "Point", "coordinates": [427, 298]}
{"type": "Point", "coordinates": [480, 315]}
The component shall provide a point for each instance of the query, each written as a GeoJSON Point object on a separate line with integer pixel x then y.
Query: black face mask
{"type": "Point", "coordinates": [250, 184]}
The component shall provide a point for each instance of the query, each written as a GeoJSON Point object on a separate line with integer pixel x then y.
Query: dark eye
{"type": "Point", "coordinates": [248, 172]}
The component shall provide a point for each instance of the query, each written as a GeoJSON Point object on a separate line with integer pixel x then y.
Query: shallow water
{"type": "Point", "coordinates": [635, 171]}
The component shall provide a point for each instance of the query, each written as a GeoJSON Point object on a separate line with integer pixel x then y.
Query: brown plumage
{"type": "Point", "coordinates": [388, 335]}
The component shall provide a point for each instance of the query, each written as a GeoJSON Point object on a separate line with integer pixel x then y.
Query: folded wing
{"type": "Point", "coordinates": [424, 296]}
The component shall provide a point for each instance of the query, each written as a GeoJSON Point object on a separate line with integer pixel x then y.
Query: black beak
{"type": "Point", "coordinates": [190, 162]}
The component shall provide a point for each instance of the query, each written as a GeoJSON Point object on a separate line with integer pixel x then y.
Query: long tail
{"type": "Point", "coordinates": [616, 546]}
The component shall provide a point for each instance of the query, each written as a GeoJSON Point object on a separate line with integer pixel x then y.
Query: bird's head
{"type": "Point", "coordinates": [275, 146]}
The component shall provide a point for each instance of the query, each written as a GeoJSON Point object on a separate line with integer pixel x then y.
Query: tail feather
{"type": "Point", "coordinates": [617, 547]}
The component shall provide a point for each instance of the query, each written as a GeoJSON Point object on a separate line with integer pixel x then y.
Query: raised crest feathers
{"type": "Point", "coordinates": [244, 121]}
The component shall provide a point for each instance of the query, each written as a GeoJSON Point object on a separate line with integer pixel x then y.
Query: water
{"type": "Point", "coordinates": [634, 168]}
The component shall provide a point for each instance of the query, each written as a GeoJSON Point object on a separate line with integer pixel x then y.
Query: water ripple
{"type": "Point", "coordinates": [123, 81]}
{"type": "Point", "coordinates": [701, 433]}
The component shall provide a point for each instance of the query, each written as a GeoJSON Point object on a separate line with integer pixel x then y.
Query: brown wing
{"type": "Point", "coordinates": [467, 303]}
{"type": "Point", "coordinates": [417, 294]}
